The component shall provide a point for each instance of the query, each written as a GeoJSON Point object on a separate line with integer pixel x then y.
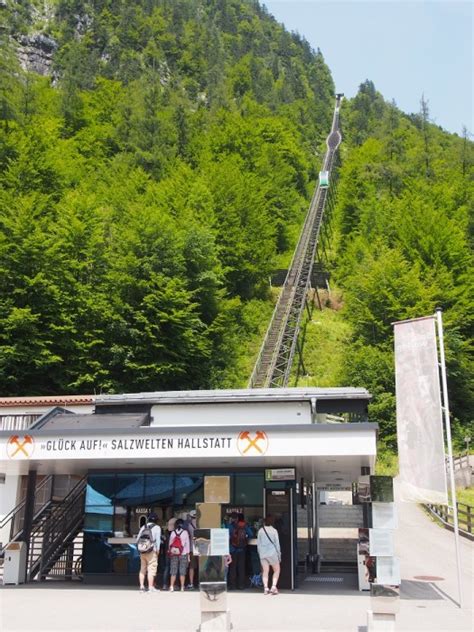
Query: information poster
{"type": "Point", "coordinates": [219, 542]}
{"type": "Point", "coordinates": [384, 516]}
{"type": "Point", "coordinates": [388, 571]}
{"type": "Point", "coordinates": [381, 542]}
{"type": "Point", "coordinates": [217, 489]}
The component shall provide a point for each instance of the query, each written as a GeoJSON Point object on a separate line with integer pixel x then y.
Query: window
{"type": "Point", "coordinates": [248, 489]}
{"type": "Point", "coordinates": [159, 489]}
{"type": "Point", "coordinates": [188, 490]}
{"type": "Point", "coordinates": [100, 489]}
{"type": "Point", "coordinates": [130, 489]}
{"type": "Point", "coordinates": [99, 518]}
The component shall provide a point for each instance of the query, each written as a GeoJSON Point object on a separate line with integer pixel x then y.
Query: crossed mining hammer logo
{"type": "Point", "coordinates": [20, 446]}
{"type": "Point", "coordinates": [252, 443]}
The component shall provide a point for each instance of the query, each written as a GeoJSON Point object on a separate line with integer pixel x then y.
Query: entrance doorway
{"type": "Point", "coordinates": [279, 504]}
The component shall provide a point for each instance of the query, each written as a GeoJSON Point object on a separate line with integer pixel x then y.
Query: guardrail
{"type": "Point", "coordinates": [460, 462]}
{"type": "Point", "coordinates": [446, 516]}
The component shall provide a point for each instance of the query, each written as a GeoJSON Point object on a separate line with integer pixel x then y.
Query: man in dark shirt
{"type": "Point", "coordinates": [239, 534]}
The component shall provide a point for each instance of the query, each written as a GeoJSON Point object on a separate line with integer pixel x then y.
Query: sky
{"type": "Point", "coordinates": [408, 49]}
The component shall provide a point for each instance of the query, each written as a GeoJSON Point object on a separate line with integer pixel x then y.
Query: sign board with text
{"type": "Point", "coordinates": [167, 444]}
{"type": "Point", "coordinates": [281, 474]}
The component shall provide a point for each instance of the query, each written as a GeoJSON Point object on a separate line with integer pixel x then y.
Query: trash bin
{"type": "Point", "coordinates": [14, 564]}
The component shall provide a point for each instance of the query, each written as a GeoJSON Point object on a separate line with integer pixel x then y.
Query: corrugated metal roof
{"type": "Point", "coordinates": [47, 400]}
{"type": "Point", "coordinates": [237, 395]}
{"type": "Point", "coordinates": [183, 397]}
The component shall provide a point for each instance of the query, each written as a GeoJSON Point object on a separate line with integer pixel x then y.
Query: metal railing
{"type": "Point", "coordinates": [275, 358]}
{"type": "Point", "coordinates": [446, 515]}
{"type": "Point", "coordinates": [56, 532]}
{"type": "Point", "coordinates": [69, 564]}
{"type": "Point", "coordinates": [17, 422]}
{"type": "Point", "coordinates": [43, 495]}
{"type": "Point", "coordinates": [460, 462]}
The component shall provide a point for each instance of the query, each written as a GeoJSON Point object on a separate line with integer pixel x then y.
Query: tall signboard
{"type": "Point", "coordinates": [422, 475]}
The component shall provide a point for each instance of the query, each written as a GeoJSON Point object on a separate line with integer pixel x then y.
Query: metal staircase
{"type": "Point", "coordinates": [55, 539]}
{"type": "Point", "coordinates": [275, 359]}
{"type": "Point", "coordinates": [54, 546]}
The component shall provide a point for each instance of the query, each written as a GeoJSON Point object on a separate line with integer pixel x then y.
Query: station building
{"type": "Point", "coordinates": [79, 473]}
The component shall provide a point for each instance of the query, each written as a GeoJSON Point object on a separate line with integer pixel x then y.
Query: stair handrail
{"type": "Point", "coordinates": [57, 530]}
{"type": "Point", "coordinates": [21, 505]}
{"type": "Point", "coordinates": [297, 263]}
{"type": "Point", "coordinates": [281, 297]}
{"type": "Point", "coordinates": [304, 283]}
{"type": "Point", "coordinates": [294, 271]}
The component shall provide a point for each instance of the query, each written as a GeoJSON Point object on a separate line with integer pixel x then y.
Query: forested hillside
{"type": "Point", "coordinates": [156, 159]}
{"type": "Point", "coordinates": [156, 162]}
{"type": "Point", "coordinates": [402, 246]}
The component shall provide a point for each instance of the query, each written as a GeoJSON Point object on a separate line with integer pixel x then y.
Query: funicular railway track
{"type": "Point", "coordinates": [273, 365]}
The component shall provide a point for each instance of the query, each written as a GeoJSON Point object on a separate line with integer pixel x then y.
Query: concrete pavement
{"type": "Point", "coordinates": [425, 550]}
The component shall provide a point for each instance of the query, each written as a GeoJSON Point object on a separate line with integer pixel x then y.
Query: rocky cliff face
{"type": "Point", "coordinates": [27, 24]}
{"type": "Point", "coordinates": [35, 53]}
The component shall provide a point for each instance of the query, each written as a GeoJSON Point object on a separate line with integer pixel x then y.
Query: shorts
{"type": "Point", "coordinates": [272, 560]}
{"type": "Point", "coordinates": [193, 562]}
{"type": "Point", "coordinates": [149, 562]}
{"type": "Point", "coordinates": [178, 563]}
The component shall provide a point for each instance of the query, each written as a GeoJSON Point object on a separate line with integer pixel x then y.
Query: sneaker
{"type": "Point", "coordinates": [142, 590]}
{"type": "Point", "coordinates": [190, 586]}
{"type": "Point", "coordinates": [274, 590]}
{"type": "Point", "coordinates": [182, 588]}
{"type": "Point", "coordinates": [153, 589]}
{"type": "Point", "coordinates": [171, 589]}
{"type": "Point", "coordinates": [266, 591]}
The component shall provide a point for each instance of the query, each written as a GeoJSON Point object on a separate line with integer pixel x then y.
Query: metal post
{"type": "Point", "coordinates": [316, 544]}
{"type": "Point", "coordinates": [439, 320]}
{"type": "Point", "coordinates": [310, 528]}
{"type": "Point", "coordinates": [29, 514]}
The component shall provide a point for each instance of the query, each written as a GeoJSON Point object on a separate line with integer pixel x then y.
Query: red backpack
{"type": "Point", "coordinates": [239, 537]}
{"type": "Point", "coordinates": [176, 546]}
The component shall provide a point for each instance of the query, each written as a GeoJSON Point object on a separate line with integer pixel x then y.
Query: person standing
{"type": "Point", "coordinates": [178, 550]}
{"type": "Point", "coordinates": [148, 545]}
{"type": "Point", "coordinates": [268, 546]}
{"type": "Point", "coordinates": [166, 572]}
{"type": "Point", "coordinates": [239, 534]}
{"type": "Point", "coordinates": [190, 526]}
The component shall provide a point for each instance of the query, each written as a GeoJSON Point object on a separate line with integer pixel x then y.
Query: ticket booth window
{"type": "Point", "coordinates": [248, 489]}
{"type": "Point", "coordinates": [100, 489]}
{"type": "Point", "coordinates": [188, 489]}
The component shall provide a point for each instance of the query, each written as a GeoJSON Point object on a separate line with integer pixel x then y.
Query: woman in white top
{"type": "Point", "coordinates": [268, 546]}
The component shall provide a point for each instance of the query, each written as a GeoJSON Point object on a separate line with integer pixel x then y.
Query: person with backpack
{"type": "Point", "coordinates": [239, 534]}
{"type": "Point", "coordinates": [179, 551]}
{"type": "Point", "coordinates": [190, 526]}
{"type": "Point", "coordinates": [166, 542]}
{"type": "Point", "coordinates": [269, 551]}
{"type": "Point", "coordinates": [148, 545]}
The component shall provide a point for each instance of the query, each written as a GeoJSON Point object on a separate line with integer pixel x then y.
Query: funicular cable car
{"type": "Point", "coordinates": [324, 179]}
